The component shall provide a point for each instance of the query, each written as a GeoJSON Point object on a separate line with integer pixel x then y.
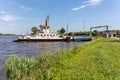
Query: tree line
{"type": "Point", "coordinates": [94, 33]}
{"type": "Point", "coordinates": [6, 34]}
{"type": "Point", "coordinates": [62, 31]}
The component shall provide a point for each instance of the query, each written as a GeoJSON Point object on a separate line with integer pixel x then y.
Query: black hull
{"type": "Point", "coordinates": [39, 40]}
{"type": "Point", "coordinates": [54, 40]}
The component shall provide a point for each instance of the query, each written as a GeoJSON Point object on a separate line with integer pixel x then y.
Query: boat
{"type": "Point", "coordinates": [77, 39]}
{"type": "Point", "coordinates": [43, 35]}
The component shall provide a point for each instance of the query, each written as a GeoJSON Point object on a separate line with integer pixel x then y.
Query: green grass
{"type": "Point", "coordinates": [96, 60]}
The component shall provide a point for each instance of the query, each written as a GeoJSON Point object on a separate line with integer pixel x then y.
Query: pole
{"type": "Point", "coordinates": [67, 29]}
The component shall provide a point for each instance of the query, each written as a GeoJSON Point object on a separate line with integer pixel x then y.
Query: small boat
{"type": "Point", "coordinates": [77, 39]}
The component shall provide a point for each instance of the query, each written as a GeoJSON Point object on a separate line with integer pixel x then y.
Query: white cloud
{"type": "Point", "coordinates": [93, 2]}
{"type": "Point", "coordinates": [86, 4]}
{"type": "Point", "coordinates": [3, 12]}
{"type": "Point", "coordinates": [25, 8]}
{"type": "Point", "coordinates": [9, 17]}
{"type": "Point", "coordinates": [78, 8]}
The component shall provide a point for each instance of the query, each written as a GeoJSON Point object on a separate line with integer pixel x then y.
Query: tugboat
{"type": "Point", "coordinates": [43, 35]}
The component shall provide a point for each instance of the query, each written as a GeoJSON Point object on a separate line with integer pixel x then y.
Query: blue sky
{"type": "Point", "coordinates": [19, 16]}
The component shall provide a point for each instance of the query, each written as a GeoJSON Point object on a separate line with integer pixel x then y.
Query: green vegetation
{"type": "Point", "coordinates": [6, 34]}
{"type": "Point", "coordinates": [96, 60]}
{"type": "Point", "coordinates": [86, 33]}
{"type": "Point", "coordinates": [61, 31]}
{"type": "Point", "coordinates": [34, 30]}
{"type": "Point", "coordinates": [94, 33]}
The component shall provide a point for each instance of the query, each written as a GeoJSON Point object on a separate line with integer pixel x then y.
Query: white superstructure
{"type": "Point", "coordinates": [43, 34]}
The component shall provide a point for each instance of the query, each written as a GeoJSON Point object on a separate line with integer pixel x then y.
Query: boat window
{"type": "Point", "coordinates": [44, 34]}
{"type": "Point", "coordinates": [54, 35]}
{"type": "Point", "coordinates": [47, 34]}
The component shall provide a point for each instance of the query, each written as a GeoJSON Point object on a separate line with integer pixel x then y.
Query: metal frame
{"type": "Point", "coordinates": [98, 27]}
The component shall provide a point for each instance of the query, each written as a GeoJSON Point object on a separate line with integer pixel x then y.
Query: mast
{"type": "Point", "coordinates": [47, 21]}
{"type": "Point", "coordinates": [67, 29]}
{"type": "Point", "coordinates": [47, 25]}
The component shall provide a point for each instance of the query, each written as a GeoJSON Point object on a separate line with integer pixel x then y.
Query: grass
{"type": "Point", "coordinates": [96, 60]}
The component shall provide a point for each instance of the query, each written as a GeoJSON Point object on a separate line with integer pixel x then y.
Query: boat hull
{"type": "Point", "coordinates": [82, 39]}
{"type": "Point", "coordinates": [54, 40]}
{"type": "Point", "coordinates": [39, 40]}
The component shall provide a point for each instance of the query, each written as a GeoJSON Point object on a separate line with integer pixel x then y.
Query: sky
{"type": "Point", "coordinates": [19, 16]}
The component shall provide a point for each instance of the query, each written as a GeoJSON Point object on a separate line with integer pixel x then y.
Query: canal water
{"type": "Point", "coordinates": [29, 49]}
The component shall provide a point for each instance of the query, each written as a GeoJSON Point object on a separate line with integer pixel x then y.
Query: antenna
{"type": "Point", "coordinates": [27, 31]}
{"type": "Point", "coordinates": [67, 28]}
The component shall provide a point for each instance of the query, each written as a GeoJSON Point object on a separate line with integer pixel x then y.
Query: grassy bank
{"type": "Point", "coordinates": [96, 60]}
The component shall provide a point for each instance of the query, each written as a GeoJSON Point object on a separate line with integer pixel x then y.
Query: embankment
{"type": "Point", "coordinates": [95, 60]}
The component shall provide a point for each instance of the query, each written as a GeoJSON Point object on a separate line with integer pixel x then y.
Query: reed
{"type": "Point", "coordinates": [96, 60]}
{"type": "Point", "coordinates": [19, 67]}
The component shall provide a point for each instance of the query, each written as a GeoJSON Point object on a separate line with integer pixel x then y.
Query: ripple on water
{"type": "Point", "coordinates": [2, 74]}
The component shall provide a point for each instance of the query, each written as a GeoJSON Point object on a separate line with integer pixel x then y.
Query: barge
{"type": "Point", "coordinates": [82, 39]}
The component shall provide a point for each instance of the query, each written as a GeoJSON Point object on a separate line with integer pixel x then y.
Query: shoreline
{"type": "Point", "coordinates": [81, 62]}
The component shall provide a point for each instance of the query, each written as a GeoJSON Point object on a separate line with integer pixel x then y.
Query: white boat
{"type": "Point", "coordinates": [43, 35]}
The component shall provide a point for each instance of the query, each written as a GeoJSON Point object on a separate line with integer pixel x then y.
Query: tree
{"type": "Point", "coordinates": [61, 31]}
{"type": "Point", "coordinates": [34, 30]}
{"type": "Point", "coordinates": [58, 31]}
{"type": "Point", "coordinates": [70, 33]}
{"type": "Point", "coordinates": [95, 33]}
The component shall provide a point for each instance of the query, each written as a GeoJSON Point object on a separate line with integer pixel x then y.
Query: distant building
{"type": "Point", "coordinates": [109, 34]}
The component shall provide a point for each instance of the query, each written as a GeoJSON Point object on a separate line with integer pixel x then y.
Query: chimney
{"type": "Point", "coordinates": [47, 21]}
